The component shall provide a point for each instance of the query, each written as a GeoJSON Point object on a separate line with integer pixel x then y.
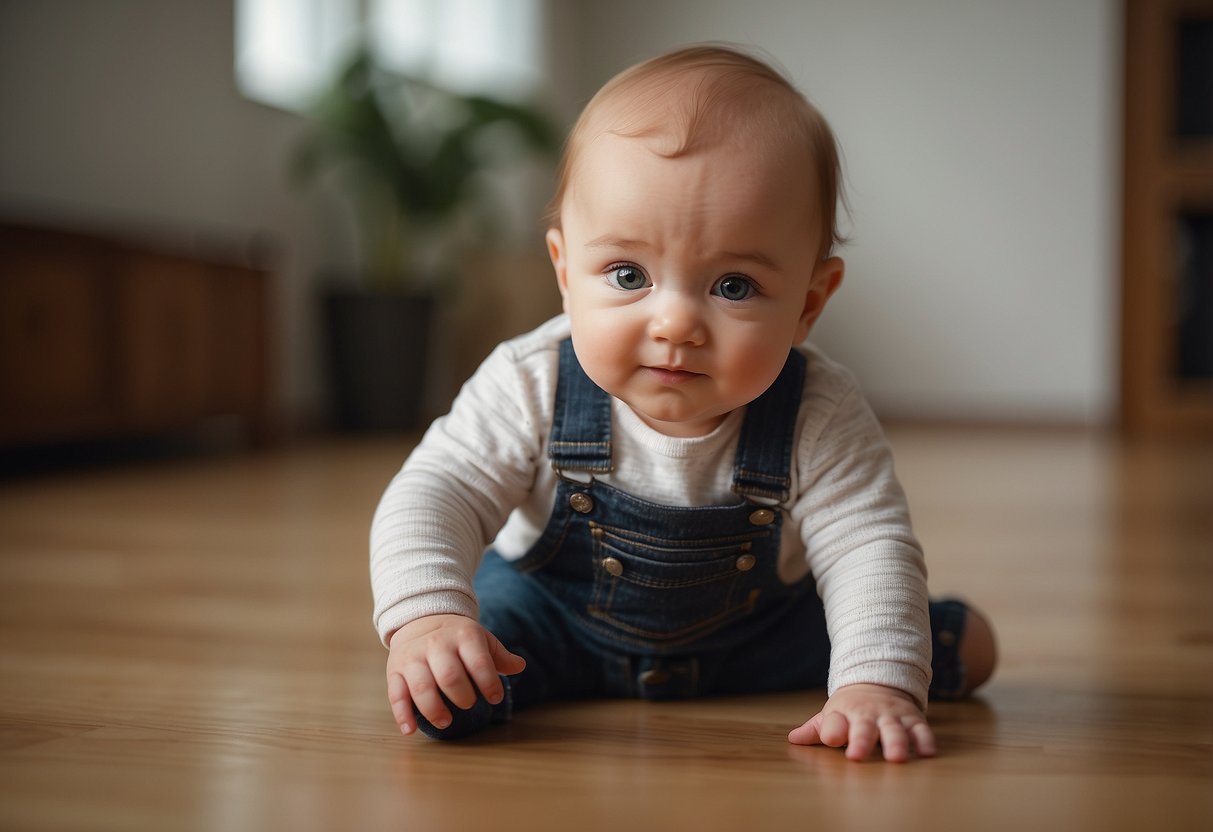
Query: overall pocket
{"type": "Point", "coordinates": [669, 591]}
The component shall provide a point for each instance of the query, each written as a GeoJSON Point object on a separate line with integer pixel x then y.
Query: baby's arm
{"type": "Point", "coordinates": [430, 529]}
{"type": "Point", "coordinates": [871, 577]}
{"type": "Point", "coordinates": [858, 715]}
{"type": "Point", "coordinates": [445, 654]}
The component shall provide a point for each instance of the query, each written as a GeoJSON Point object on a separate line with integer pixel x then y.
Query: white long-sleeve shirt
{"type": "Point", "coordinates": [481, 476]}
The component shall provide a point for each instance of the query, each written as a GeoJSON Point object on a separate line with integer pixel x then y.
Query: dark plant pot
{"type": "Point", "coordinates": [378, 352]}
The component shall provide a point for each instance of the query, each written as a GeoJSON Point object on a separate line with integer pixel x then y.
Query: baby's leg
{"type": "Point", "coordinates": [793, 653]}
{"type": "Point", "coordinates": [964, 651]}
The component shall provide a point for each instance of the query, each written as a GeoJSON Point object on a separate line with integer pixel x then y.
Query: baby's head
{"type": "Point", "coordinates": [701, 96]}
{"type": "Point", "coordinates": [691, 232]}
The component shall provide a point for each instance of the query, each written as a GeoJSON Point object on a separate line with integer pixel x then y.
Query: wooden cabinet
{"type": "Point", "coordinates": [104, 338]}
{"type": "Point", "coordinates": [1167, 289]}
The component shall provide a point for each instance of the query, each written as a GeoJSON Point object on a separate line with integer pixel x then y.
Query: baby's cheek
{"type": "Point", "coordinates": [598, 353]}
{"type": "Point", "coordinates": [755, 364]}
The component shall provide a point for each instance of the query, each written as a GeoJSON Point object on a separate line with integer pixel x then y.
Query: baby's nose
{"type": "Point", "coordinates": [678, 319]}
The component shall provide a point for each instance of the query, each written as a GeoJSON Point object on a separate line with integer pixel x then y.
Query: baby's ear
{"type": "Point", "coordinates": [826, 279]}
{"type": "Point", "coordinates": [555, 241]}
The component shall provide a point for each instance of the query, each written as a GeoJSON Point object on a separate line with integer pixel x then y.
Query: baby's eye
{"type": "Point", "coordinates": [628, 278]}
{"type": "Point", "coordinates": [734, 287]}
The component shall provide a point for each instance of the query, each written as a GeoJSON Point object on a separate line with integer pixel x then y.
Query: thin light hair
{"type": "Point", "coordinates": [702, 95]}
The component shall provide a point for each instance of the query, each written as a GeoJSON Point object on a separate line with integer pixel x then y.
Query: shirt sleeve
{"type": "Point", "coordinates": [453, 494]}
{"type": "Point", "coordinates": [869, 568]}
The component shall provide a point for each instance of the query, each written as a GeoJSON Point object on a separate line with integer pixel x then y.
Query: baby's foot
{"type": "Point", "coordinates": [978, 650]}
{"type": "Point", "coordinates": [963, 649]}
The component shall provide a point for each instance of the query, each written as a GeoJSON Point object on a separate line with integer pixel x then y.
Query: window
{"type": "Point", "coordinates": [287, 50]}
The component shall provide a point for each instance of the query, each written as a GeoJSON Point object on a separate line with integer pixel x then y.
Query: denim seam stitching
{"type": "Point", "coordinates": [758, 475]}
{"type": "Point", "coordinates": [635, 537]}
{"type": "Point", "coordinates": [755, 490]}
{"type": "Point", "coordinates": [687, 635]}
{"type": "Point", "coordinates": [657, 583]}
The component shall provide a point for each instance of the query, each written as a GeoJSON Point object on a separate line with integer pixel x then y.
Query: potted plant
{"type": "Point", "coordinates": [411, 159]}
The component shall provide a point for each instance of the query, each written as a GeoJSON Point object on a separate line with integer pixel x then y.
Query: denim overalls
{"type": "Point", "coordinates": [620, 597]}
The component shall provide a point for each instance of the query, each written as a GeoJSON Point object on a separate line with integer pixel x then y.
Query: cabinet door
{"type": "Point", "coordinates": [56, 367]}
{"type": "Point", "coordinates": [238, 321]}
{"type": "Point", "coordinates": [1166, 277]}
{"type": "Point", "coordinates": [166, 340]}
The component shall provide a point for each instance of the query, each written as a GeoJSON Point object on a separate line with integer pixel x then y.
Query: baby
{"type": "Point", "coordinates": [664, 493]}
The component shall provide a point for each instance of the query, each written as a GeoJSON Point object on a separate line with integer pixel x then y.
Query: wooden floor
{"type": "Point", "coordinates": [188, 645]}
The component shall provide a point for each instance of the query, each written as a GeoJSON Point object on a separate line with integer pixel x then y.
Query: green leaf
{"type": "Point", "coordinates": [408, 138]}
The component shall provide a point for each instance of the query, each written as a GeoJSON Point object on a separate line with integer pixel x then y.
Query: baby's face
{"type": "Point", "coordinates": [687, 280]}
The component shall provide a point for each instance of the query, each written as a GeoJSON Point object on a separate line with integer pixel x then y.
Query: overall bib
{"type": "Point", "coordinates": [620, 597]}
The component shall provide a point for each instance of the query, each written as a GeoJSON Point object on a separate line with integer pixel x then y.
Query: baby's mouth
{"type": "Point", "coordinates": [672, 375]}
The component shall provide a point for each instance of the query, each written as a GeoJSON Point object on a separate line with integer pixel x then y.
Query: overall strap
{"type": "Point", "coordinates": [581, 425]}
{"type": "Point", "coordinates": [762, 469]}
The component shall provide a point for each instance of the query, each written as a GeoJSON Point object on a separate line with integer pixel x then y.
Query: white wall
{"type": "Point", "coordinates": [980, 140]}
{"type": "Point", "coordinates": [981, 146]}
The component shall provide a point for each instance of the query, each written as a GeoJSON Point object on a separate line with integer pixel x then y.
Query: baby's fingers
{"type": "Point", "coordinates": [402, 704]}
{"type": "Point", "coordinates": [894, 740]}
{"type": "Point", "coordinates": [504, 661]}
{"type": "Point", "coordinates": [423, 689]}
{"type": "Point", "coordinates": [834, 729]}
{"type": "Point", "coordinates": [807, 734]}
{"type": "Point", "coordinates": [862, 739]}
{"type": "Point", "coordinates": [898, 735]}
{"type": "Point", "coordinates": [452, 678]}
{"type": "Point", "coordinates": [479, 663]}
{"type": "Point", "coordinates": [924, 739]}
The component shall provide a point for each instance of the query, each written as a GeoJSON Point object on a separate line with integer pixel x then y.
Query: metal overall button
{"type": "Point", "coordinates": [613, 566]}
{"type": "Point", "coordinates": [762, 517]}
{"type": "Point", "coordinates": [745, 563]}
{"type": "Point", "coordinates": [581, 503]}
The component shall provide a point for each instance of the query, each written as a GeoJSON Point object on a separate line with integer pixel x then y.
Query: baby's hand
{"type": "Point", "coordinates": [858, 715]}
{"type": "Point", "coordinates": [439, 653]}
